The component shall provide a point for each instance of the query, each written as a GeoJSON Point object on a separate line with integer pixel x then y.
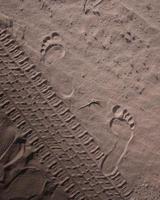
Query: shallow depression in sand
{"type": "Point", "coordinates": [53, 53]}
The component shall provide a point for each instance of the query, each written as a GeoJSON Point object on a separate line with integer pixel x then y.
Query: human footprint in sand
{"type": "Point", "coordinates": [121, 125]}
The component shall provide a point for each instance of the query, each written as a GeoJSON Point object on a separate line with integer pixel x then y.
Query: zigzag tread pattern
{"type": "Point", "coordinates": [67, 150]}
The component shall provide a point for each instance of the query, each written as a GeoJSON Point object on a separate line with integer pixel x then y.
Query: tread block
{"type": "Point", "coordinates": [3, 31]}
{"type": "Point", "coordinates": [66, 114]}
{"type": "Point", "coordinates": [61, 108]}
{"type": "Point", "coordinates": [49, 94]}
{"type": "Point", "coordinates": [4, 37]}
{"type": "Point", "coordinates": [35, 75]}
{"type": "Point", "coordinates": [37, 146]}
{"type": "Point", "coordinates": [57, 104]}
{"type": "Point", "coordinates": [8, 42]}
{"type": "Point", "coordinates": [4, 102]}
{"type": "Point", "coordinates": [18, 55]}
{"type": "Point", "coordinates": [73, 123]}
{"type": "Point", "coordinates": [54, 99]}
{"type": "Point", "coordinates": [57, 171]}
{"type": "Point", "coordinates": [50, 164]}
{"type": "Point", "coordinates": [45, 156]}
{"type": "Point", "coordinates": [44, 87]}
{"type": "Point", "coordinates": [23, 60]}
{"type": "Point", "coordinates": [28, 133]}
{"type": "Point", "coordinates": [13, 47]}
{"type": "Point", "coordinates": [62, 176]}
{"type": "Point", "coordinates": [41, 82]}
{"type": "Point", "coordinates": [28, 67]}
{"type": "Point", "coordinates": [24, 65]}
{"type": "Point", "coordinates": [64, 181]}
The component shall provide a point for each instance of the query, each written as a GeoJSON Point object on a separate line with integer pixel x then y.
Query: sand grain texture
{"type": "Point", "coordinates": [101, 57]}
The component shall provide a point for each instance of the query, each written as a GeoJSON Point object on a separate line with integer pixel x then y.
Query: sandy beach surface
{"type": "Point", "coordinates": [102, 58]}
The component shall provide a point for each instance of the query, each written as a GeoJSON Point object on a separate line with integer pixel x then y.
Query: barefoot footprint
{"type": "Point", "coordinates": [122, 125]}
{"type": "Point", "coordinates": [52, 48]}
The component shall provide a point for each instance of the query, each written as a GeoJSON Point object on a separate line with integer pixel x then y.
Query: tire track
{"type": "Point", "coordinates": [54, 132]}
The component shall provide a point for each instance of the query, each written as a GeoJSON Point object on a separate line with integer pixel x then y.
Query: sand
{"type": "Point", "coordinates": [102, 59]}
